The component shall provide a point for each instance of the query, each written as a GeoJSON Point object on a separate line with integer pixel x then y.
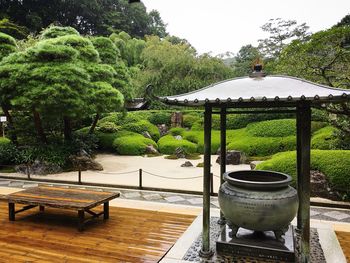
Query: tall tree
{"type": "Point", "coordinates": [59, 79]}
{"type": "Point", "coordinates": [244, 60]}
{"type": "Point", "coordinates": [324, 58]}
{"type": "Point", "coordinates": [101, 17]}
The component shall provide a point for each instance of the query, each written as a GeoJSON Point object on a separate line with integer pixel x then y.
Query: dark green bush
{"type": "Point", "coordinates": [190, 119]}
{"type": "Point", "coordinates": [168, 144]}
{"type": "Point", "coordinates": [141, 126]}
{"type": "Point", "coordinates": [132, 144]}
{"type": "Point", "coordinates": [324, 139]}
{"type": "Point", "coordinates": [8, 152]}
{"type": "Point", "coordinates": [105, 140]}
{"type": "Point", "coordinates": [160, 117]}
{"type": "Point", "coordinates": [334, 164]}
{"type": "Point", "coordinates": [272, 128]}
{"type": "Point", "coordinates": [108, 127]}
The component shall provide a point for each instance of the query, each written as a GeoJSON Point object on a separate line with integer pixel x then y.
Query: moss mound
{"type": "Point", "coordinates": [324, 139]}
{"type": "Point", "coordinates": [334, 164]}
{"type": "Point", "coordinates": [141, 126]}
{"type": "Point", "coordinates": [131, 143]}
{"type": "Point", "coordinates": [168, 144]}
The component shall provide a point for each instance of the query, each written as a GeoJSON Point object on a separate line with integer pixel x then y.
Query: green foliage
{"type": "Point", "coordinates": [16, 31]}
{"type": "Point", "coordinates": [160, 117]}
{"type": "Point", "coordinates": [58, 31]}
{"type": "Point", "coordinates": [7, 45]}
{"type": "Point", "coordinates": [177, 131]}
{"type": "Point", "coordinates": [333, 163]}
{"type": "Point", "coordinates": [197, 137]}
{"type": "Point", "coordinates": [8, 152]}
{"type": "Point", "coordinates": [324, 139]}
{"type": "Point", "coordinates": [132, 144]}
{"type": "Point", "coordinates": [244, 61]}
{"type": "Point", "coordinates": [168, 144]}
{"type": "Point", "coordinates": [107, 50]}
{"type": "Point", "coordinates": [88, 17]}
{"type": "Point", "coordinates": [190, 119]}
{"type": "Point", "coordinates": [260, 146]}
{"type": "Point", "coordinates": [272, 128]}
{"type": "Point", "coordinates": [108, 127]}
{"type": "Point", "coordinates": [142, 126]}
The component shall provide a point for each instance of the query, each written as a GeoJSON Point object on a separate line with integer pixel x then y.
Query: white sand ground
{"type": "Point", "coordinates": [115, 164]}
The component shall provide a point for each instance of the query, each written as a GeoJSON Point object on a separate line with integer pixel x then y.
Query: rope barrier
{"type": "Point", "coordinates": [130, 172]}
{"type": "Point", "coordinates": [174, 178]}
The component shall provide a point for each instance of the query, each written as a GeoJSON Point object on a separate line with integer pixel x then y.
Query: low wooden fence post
{"type": "Point", "coordinates": [140, 178]}
{"type": "Point", "coordinates": [79, 176]}
{"type": "Point", "coordinates": [211, 184]}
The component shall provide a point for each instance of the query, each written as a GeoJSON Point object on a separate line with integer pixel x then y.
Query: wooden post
{"type": "Point", "coordinates": [106, 210]}
{"type": "Point", "coordinates": [140, 178]}
{"type": "Point", "coordinates": [223, 112]}
{"type": "Point", "coordinates": [211, 184]}
{"type": "Point", "coordinates": [206, 252]}
{"type": "Point", "coordinates": [81, 219]}
{"type": "Point", "coordinates": [12, 211]}
{"type": "Point", "coordinates": [303, 172]}
{"type": "Point", "coordinates": [79, 176]}
{"type": "Point", "coordinates": [28, 172]}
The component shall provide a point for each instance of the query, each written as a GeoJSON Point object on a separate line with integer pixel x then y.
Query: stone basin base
{"type": "Point", "coordinates": [254, 244]}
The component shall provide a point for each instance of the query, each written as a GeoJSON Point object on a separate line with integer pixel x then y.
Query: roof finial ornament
{"type": "Point", "coordinates": [257, 69]}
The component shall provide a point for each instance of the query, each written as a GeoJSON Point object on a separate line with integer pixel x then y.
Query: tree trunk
{"type": "Point", "coordinates": [67, 129]}
{"type": "Point", "coordinates": [93, 126]}
{"type": "Point", "coordinates": [11, 127]}
{"type": "Point", "coordinates": [39, 127]}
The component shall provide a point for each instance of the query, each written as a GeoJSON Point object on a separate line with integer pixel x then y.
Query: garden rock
{"type": "Point", "coordinates": [146, 135]}
{"type": "Point", "coordinates": [178, 137]}
{"type": "Point", "coordinates": [151, 150]}
{"type": "Point", "coordinates": [176, 119]}
{"type": "Point", "coordinates": [39, 168]}
{"type": "Point", "coordinates": [233, 157]}
{"type": "Point", "coordinates": [163, 129]}
{"type": "Point", "coordinates": [253, 164]}
{"type": "Point", "coordinates": [180, 152]}
{"type": "Point", "coordinates": [85, 163]}
{"type": "Point", "coordinates": [187, 164]}
{"type": "Point", "coordinates": [319, 185]}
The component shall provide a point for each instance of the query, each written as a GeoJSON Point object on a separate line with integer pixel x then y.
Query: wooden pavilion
{"type": "Point", "coordinates": [261, 94]}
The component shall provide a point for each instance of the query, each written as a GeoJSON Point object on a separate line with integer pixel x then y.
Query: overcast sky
{"type": "Point", "coordinates": [218, 26]}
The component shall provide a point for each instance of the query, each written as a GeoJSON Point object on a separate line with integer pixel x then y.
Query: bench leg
{"type": "Point", "coordinates": [41, 208]}
{"type": "Point", "coordinates": [12, 211]}
{"type": "Point", "coordinates": [106, 210]}
{"type": "Point", "coordinates": [81, 218]}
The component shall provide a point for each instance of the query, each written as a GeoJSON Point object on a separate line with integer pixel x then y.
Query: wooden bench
{"type": "Point", "coordinates": [82, 200]}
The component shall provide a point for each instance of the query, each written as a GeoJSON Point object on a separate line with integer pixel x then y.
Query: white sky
{"type": "Point", "coordinates": [218, 26]}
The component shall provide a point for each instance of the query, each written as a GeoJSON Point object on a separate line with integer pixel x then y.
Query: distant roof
{"type": "Point", "coordinates": [260, 90]}
{"type": "Point", "coordinates": [136, 104]}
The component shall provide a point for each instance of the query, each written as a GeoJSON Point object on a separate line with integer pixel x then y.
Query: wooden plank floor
{"type": "Point", "coordinates": [344, 240]}
{"type": "Point", "coordinates": [130, 235]}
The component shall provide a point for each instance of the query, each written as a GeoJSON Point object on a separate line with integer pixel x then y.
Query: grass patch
{"type": "Point", "coordinates": [132, 144]}
{"type": "Point", "coordinates": [325, 139]}
{"type": "Point", "coordinates": [168, 144]}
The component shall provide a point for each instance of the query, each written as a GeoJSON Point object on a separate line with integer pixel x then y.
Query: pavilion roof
{"type": "Point", "coordinates": [268, 90]}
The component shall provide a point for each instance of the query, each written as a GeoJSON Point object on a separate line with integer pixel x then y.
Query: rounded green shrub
{"type": "Point", "coordinates": [105, 140]}
{"type": "Point", "coordinates": [108, 127]}
{"type": "Point", "coordinates": [190, 119]}
{"type": "Point", "coordinates": [142, 126]}
{"type": "Point", "coordinates": [324, 139]}
{"type": "Point", "coordinates": [58, 31]}
{"type": "Point", "coordinates": [168, 144]}
{"type": "Point", "coordinates": [259, 146]}
{"type": "Point", "coordinates": [177, 131]}
{"type": "Point", "coordinates": [132, 144]}
{"type": "Point", "coordinates": [333, 163]}
{"type": "Point", "coordinates": [272, 128]}
{"type": "Point", "coordinates": [160, 117]}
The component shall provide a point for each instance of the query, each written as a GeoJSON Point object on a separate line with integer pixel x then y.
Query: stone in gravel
{"type": "Point", "coordinates": [187, 164]}
{"type": "Point", "coordinates": [253, 164]}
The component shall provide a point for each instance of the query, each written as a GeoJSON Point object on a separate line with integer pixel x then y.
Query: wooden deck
{"type": "Point", "coordinates": [344, 240]}
{"type": "Point", "coordinates": [130, 235]}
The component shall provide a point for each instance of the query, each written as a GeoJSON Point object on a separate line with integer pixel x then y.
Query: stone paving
{"type": "Point", "coordinates": [320, 213]}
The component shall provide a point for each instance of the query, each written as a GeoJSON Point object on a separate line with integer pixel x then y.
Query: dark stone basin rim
{"type": "Point", "coordinates": [263, 179]}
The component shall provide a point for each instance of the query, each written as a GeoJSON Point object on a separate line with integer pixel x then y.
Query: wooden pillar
{"type": "Point", "coordinates": [222, 154]}
{"type": "Point", "coordinates": [206, 251]}
{"type": "Point", "coordinates": [303, 177]}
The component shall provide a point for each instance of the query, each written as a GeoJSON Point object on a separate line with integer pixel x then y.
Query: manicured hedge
{"type": "Point", "coordinates": [168, 144]}
{"type": "Point", "coordinates": [324, 139]}
{"type": "Point", "coordinates": [191, 118]}
{"type": "Point", "coordinates": [8, 151]}
{"type": "Point", "coordinates": [160, 117]}
{"type": "Point", "coordinates": [132, 144]}
{"type": "Point", "coordinates": [334, 164]}
{"type": "Point", "coordinates": [177, 131]}
{"type": "Point", "coordinates": [259, 146]}
{"type": "Point", "coordinates": [141, 126]}
{"type": "Point", "coordinates": [105, 140]}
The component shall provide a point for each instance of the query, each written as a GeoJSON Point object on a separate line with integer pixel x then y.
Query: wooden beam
{"type": "Point", "coordinates": [206, 252]}
{"type": "Point", "coordinates": [303, 177]}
